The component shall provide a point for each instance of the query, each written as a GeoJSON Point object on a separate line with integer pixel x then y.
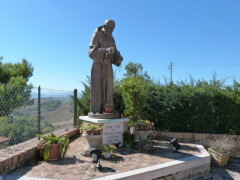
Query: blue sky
{"type": "Point", "coordinates": [54, 36]}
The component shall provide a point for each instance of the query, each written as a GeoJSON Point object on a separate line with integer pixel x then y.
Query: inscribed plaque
{"type": "Point", "coordinates": [113, 133]}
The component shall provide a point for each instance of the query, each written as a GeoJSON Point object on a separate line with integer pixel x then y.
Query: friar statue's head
{"type": "Point", "coordinates": [108, 27]}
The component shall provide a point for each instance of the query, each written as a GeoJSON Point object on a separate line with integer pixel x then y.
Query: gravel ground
{"type": "Point", "coordinates": [231, 171]}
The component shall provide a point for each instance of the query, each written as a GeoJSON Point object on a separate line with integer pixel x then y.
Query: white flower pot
{"type": "Point", "coordinates": [107, 155]}
{"type": "Point", "coordinates": [142, 135]}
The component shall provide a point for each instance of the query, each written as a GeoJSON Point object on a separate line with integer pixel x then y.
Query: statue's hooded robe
{"type": "Point", "coordinates": [102, 72]}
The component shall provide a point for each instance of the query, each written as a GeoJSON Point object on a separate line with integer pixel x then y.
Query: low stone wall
{"type": "Point", "coordinates": [203, 138]}
{"type": "Point", "coordinates": [189, 174]}
{"type": "Point", "coordinates": [17, 155]}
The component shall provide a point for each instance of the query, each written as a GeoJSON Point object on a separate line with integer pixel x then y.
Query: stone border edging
{"type": "Point", "coordinates": [163, 169]}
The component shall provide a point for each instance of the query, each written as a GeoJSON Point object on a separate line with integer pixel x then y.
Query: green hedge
{"type": "Point", "coordinates": [201, 107]}
{"type": "Point", "coordinates": [194, 106]}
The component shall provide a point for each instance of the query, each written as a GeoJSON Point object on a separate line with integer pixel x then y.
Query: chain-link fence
{"type": "Point", "coordinates": [26, 111]}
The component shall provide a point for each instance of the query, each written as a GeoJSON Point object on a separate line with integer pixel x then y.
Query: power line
{"type": "Point", "coordinates": [208, 65]}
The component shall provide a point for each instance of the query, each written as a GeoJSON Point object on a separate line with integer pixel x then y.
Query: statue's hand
{"type": "Point", "coordinates": [110, 51]}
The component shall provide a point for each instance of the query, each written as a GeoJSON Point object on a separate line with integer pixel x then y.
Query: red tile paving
{"type": "Point", "coordinates": [77, 167]}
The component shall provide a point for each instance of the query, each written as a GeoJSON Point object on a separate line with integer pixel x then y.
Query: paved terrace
{"type": "Point", "coordinates": [77, 167]}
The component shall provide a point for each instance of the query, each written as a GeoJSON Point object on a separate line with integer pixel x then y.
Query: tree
{"type": "Point", "coordinates": [14, 90]}
{"type": "Point", "coordinates": [84, 101]}
{"type": "Point", "coordinates": [135, 70]}
{"type": "Point", "coordinates": [134, 91]}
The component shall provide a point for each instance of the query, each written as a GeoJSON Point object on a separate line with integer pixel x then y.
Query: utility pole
{"type": "Point", "coordinates": [170, 67]}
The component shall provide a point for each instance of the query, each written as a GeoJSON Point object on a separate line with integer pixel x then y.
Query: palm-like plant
{"type": "Point", "coordinates": [63, 143]}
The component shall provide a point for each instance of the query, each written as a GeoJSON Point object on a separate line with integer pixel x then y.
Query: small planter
{"type": "Point", "coordinates": [93, 141]}
{"type": "Point", "coordinates": [107, 155]}
{"type": "Point", "coordinates": [91, 128]}
{"type": "Point", "coordinates": [50, 149]}
{"type": "Point", "coordinates": [53, 152]}
{"type": "Point", "coordinates": [142, 135]}
{"type": "Point", "coordinates": [143, 127]}
{"type": "Point", "coordinates": [93, 132]}
{"type": "Point", "coordinates": [108, 110]}
{"type": "Point", "coordinates": [219, 159]}
{"type": "Point", "coordinates": [107, 150]}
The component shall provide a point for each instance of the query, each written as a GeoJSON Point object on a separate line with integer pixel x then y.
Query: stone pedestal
{"type": "Point", "coordinates": [94, 141]}
{"type": "Point", "coordinates": [142, 135]}
{"type": "Point", "coordinates": [112, 132]}
{"type": "Point", "coordinates": [103, 116]}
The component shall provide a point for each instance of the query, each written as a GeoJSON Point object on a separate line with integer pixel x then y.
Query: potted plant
{"type": "Point", "coordinates": [142, 129]}
{"type": "Point", "coordinates": [92, 133]}
{"type": "Point", "coordinates": [147, 146]}
{"type": "Point", "coordinates": [220, 152]}
{"type": "Point", "coordinates": [108, 108]}
{"type": "Point", "coordinates": [53, 147]}
{"type": "Point", "coordinates": [91, 128]}
{"type": "Point", "coordinates": [143, 125]}
{"type": "Point", "coordinates": [107, 150]}
{"type": "Point", "coordinates": [128, 139]}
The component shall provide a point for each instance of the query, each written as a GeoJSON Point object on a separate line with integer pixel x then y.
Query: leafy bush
{"type": "Point", "coordinates": [128, 138]}
{"type": "Point", "coordinates": [202, 106]}
{"type": "Point", "coordinates": [134, 86]}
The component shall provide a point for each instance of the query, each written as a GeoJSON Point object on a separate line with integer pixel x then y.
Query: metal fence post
{"type": "Point", "coordinates": [75, 107]}
{"type": "Point", "coordinates": [39, 111]}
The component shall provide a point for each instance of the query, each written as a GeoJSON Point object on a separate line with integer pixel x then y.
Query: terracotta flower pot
{"type": "Point", "coordinates": [142, 127]}
{"type": "Point", "coordinates": [93, 132]}
{"type": "Point", "coordinates": [97, 132]}
{"type": "Point", "coordinates": [108, 110]}
{"type": "Point", "coordinates": [53, 152]}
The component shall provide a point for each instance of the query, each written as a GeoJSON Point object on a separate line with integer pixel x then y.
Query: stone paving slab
{"type": "Point", "coordinates": [77, 167]}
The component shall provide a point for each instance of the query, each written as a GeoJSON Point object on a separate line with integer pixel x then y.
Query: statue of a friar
{"type": "Point", "coordinates": [103, 52]}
